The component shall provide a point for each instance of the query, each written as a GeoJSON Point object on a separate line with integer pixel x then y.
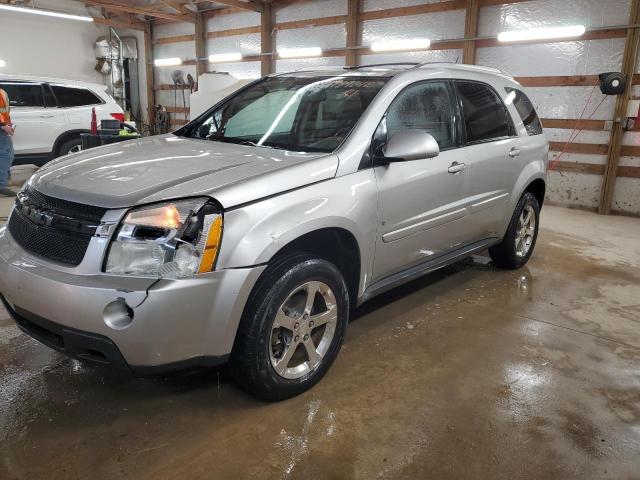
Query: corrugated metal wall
{"type": "Point", "coordinates": [567, 58]}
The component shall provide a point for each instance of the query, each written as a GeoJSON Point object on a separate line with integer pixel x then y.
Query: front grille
{"type": "Point", "coordinates": [54, 229]}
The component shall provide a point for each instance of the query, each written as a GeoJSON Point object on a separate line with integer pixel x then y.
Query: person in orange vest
{"type": "Point", "coordinates": [6, 144]}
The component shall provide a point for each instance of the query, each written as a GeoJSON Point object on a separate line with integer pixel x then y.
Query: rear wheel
{"type": "Point", "coordinates": [71, 145]}
{"type": "Point", "coordinates": [292, 328]}
{"type": "Point", "coordinates": [518, 243]}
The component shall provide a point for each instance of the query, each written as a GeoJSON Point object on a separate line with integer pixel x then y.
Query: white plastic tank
{"type": "Point", "coordinates": [213, 87]}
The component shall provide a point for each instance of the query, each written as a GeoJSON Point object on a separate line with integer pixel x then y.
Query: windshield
{"type": "Point", "coordinates": [301, 114]}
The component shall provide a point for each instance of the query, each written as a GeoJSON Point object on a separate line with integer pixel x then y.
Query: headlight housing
{"type": "Point", "coordinates": [170, 240]}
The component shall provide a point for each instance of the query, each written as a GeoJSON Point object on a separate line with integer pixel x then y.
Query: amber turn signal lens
{"type": "Point", "coordinates": [210, 252]}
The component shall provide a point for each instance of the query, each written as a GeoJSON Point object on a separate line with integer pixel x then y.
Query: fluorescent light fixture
{"type": "Point", "coordinates": [167, 62]}
{"type": "Point", "coordinates": [3, 63]}
{"type": "Point", "coordinates": [542, 33]}
{"type": "Point", "coordinates": [406, 44]}
{"type": "Point", "coordinates": [225, 57]}
{"type": "Point", "coordinates": [47, 13]}
{"type": "Point", "coordinates": [299, 52]}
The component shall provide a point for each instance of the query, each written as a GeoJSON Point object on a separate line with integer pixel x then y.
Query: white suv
{"type": "Point", "coordinates": [50, 114]}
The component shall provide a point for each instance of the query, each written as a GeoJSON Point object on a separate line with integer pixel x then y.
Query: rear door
{"type": "Point", "coordinates": [37, 122]}
{"type": "Point", "coordinates": [76, 103]}
{"type": "Point", "coordinates": [492, 152]}
{"type": "Point", "coordinates": [421, 203]}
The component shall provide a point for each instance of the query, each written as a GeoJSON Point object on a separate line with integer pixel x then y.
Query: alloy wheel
{"type": "Point", "coordinates": [303, 330]}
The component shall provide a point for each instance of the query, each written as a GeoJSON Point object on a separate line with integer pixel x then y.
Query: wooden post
{"type": "Point", "coordinates": [470, 31]}
{"type": "Point", "coordinates": [151, 93]}
{"type": "Point", "coordinates": [353, 13]}
{"type": "Point", "coordinates": [201, 45]}
{"type": "Point", "coordinates": [622, 102]}
{"type": "Point", "coordinates": [266, 38]}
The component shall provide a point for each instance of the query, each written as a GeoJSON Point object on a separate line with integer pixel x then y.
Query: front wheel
{"type": "Point", "coordinates": [518, 243]}
{"type": "Point", "coordinates": [292, 328]}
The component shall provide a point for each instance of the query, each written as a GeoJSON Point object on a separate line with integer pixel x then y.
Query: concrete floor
{"type": "Point", "coordinates": [469, 373]}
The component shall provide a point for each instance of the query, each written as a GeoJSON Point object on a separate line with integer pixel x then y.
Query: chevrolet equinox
{"type": "Point", "coordinates": [247, 236]}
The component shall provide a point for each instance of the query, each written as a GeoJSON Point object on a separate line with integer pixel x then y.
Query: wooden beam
{"type": "Point", "coordinates": [119, 23]}
{"type": "Point", "coordinates": [266, 39]}
{"type": "Point", "coordinates": [177, 6]}
{"type": "Point", "coordinates": [311, 22]}
{"type": "Point", "coordinates": [570, 124]}
{"type": "Point", "coordinates": [117, 7]}
{"type": "Point", "coordinates": [470, 31]}
{"type": "Point", "coordinates": [176, 39]}
{"type": "Point", "coordinates": [580, 167]}
{"type": "Point", "coordinates": [559, 81]}
{"type": "Point", "coordinates": [234, 31]}
{"type": "Point", "coordinates": [151, 93]}
{"type": "Point", "coordinates": [414, 10]}
{"type": "Point", "coordinates": [202, 62]}
{"type": "Point", "coordinates": [620, 112]}
{"type": "Point", "coordinates": [353, 34]}
{"type": "Point", "coordinates": [253, 6]}
{"type": "Point", "coordinates": [581, 148]}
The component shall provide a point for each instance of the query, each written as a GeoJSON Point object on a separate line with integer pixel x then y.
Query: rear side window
{"type": "Point", "coordinates": [75, 97]}
{"type": "Point", "coordinates": [24, 94]}
{"type": "Point", "coordinates": [525, 110]}
{"type": "Point", "coordinates": [426, 107]}
{"type": "Point", "coordinates": [485, 116]}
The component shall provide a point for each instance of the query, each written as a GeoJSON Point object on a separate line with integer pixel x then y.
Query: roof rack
{"type": "Point", "coordinates": [390, 64]}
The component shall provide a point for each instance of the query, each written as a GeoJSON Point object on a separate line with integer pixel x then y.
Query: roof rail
{"type": "Point", "coordinates": [390, 64]}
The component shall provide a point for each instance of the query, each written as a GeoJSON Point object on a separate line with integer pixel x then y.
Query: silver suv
{"type": "Point", "coordinates": [247, 236]}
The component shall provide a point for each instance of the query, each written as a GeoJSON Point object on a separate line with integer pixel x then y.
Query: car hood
{"type": "Point", "coordinates": [168, 167]}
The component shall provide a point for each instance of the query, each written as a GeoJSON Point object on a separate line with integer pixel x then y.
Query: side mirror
{"type": "Point", "coordinates": [411, 145]}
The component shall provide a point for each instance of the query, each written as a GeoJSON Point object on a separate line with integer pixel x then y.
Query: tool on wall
{"type": "Point", "coordinates": [179, 83]}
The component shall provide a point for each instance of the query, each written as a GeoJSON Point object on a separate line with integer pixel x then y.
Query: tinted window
{"type": "Point", "coordinates": [426, 107]}
{"type": "Point", "coordinates": [525, 110]}
{"type": "Point", "coordinates": [75, 97]}
{"type": "Point", "coordinates": [314, 114]}
{"type": "Point", "coordinates": [485, 116]}
{"type": "Point", "coordinates": [49, 99]}
{"type": "Point", "coordinates": [24, 94]}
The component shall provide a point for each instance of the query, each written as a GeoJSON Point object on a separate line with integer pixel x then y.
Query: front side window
{"type": "Point", "coordinates": [426, 107]}
{"type": "Point", "coordinates": [525, 110]}
{"type": "Point", "coordinates": [23, 94]}
{"type": "Point", "coordinates": [313, 114]}
{"type": "Point", "coordinates": [75, 97]}
{"type": "Point", "coordinates": [485, 116]}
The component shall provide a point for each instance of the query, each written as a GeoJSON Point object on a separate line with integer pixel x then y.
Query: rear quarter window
{"type": "Point", "coordinates": [75, 97]}
{"type": "Point", "coordinates": [525, 109]}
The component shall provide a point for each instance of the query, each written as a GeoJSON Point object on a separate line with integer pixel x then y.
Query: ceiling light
{"type": "Point", "coordinates": [542, 33]}
{"type": "Point", "coordinates": [407, 44]}
{"type": "Point", "coordinates": [3, 63]}
{"type": "Point", "coordinates": [47, 13]}
{"type": "Point", "coordinates": [167, 62]}
{"type": "Point", "coordinates": [299, 52]}
{"type": "Point", "coordinates": [225, 57]}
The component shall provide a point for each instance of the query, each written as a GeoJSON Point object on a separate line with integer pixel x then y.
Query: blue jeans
{"type": "Point", "coordinates": [6, 158]}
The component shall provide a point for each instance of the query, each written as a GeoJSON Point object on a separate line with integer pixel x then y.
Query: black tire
{"type": "Point", "coordinates": [66, 146]}
{"type": "Point", "coordinates": [250, 363]}
{"type": "Point", "coordinates": [505, 254]}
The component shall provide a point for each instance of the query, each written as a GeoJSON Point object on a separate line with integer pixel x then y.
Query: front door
{"type": "Point", "coordinates": [421, 203]}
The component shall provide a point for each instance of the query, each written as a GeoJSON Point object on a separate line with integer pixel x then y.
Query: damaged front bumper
{"type": "Point", "coordinates": [173, 323]}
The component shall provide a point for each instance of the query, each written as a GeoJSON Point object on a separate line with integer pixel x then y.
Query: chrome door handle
{"type": "Point", "coordinates": [514, 152]}
{"type": "Point", "coordinates": [47, 116]}
{"type": "Point", "coordinates": [456, 167]}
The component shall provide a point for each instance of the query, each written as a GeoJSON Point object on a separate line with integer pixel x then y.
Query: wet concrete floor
{"type": "Point", "coordinates": [471, 372]}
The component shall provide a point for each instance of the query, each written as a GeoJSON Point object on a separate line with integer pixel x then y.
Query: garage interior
{"type": "Point", "coordinates": [468, 372]}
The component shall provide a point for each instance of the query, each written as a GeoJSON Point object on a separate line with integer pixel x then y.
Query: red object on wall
{"type": "Point", "coordinates": [94, 122]}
